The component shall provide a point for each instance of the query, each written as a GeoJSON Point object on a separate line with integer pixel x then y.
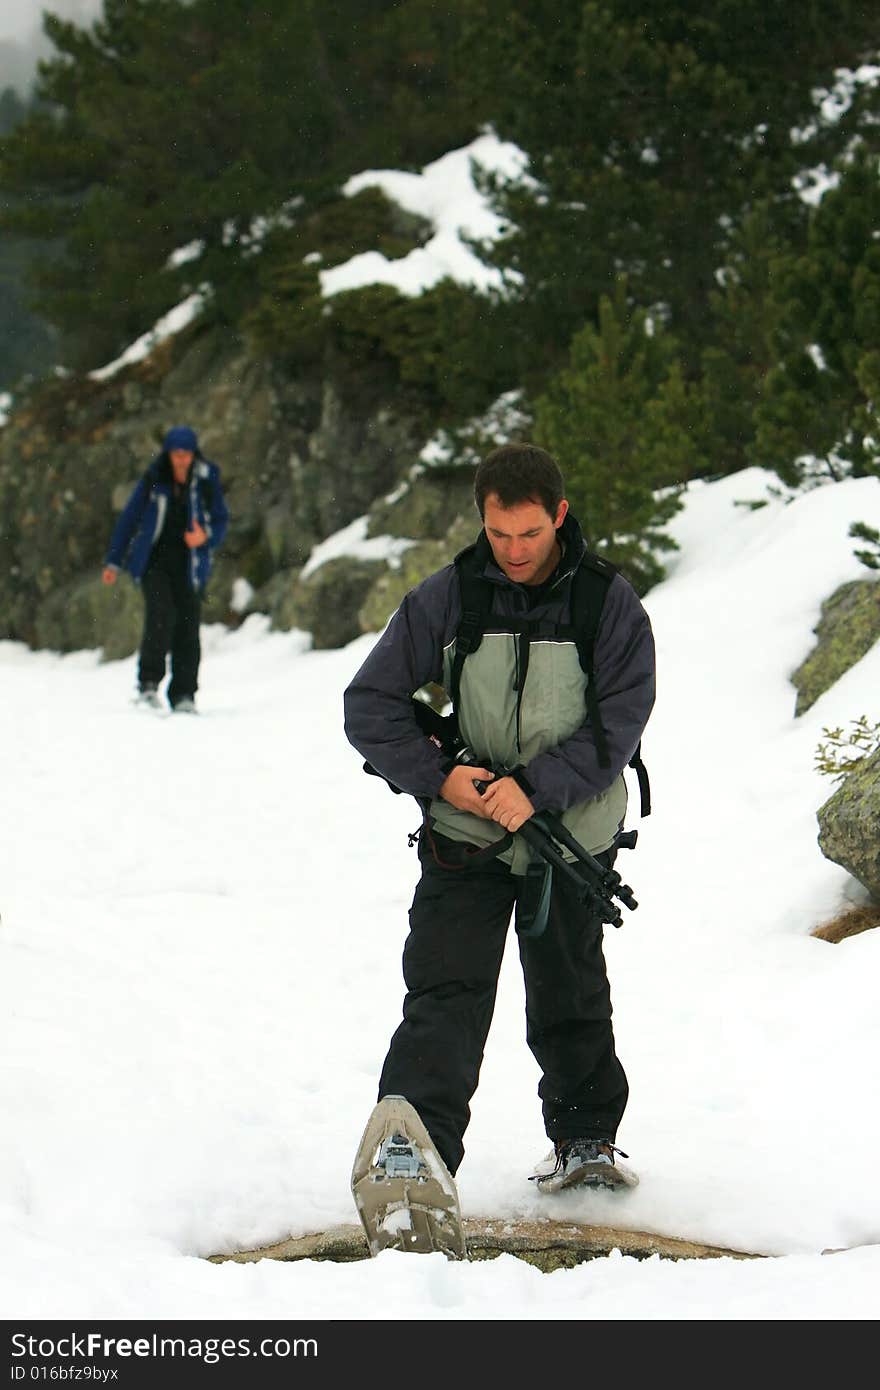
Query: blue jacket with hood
{"type": "Point", "coordinates": [143, 517]}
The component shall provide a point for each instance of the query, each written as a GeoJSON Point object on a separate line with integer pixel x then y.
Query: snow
{"type": "Point", "coordinates": [353, 540]}
{"type": "Point", "coordinates": [444, 194]}
{"type": "Point", "coordinates": [201, 924]}
{"type": "Point", "coordinates": [242, 593]}
{"type": "Point", "coordinates": [184, 254]}
{"type": "Point", "coordinates": [178, 318]}
{"type": "Point", "coordinates": [504, 420]}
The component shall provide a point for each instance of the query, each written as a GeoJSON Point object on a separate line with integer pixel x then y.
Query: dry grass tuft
{"type": "Point", "coordinates": [849, 923]}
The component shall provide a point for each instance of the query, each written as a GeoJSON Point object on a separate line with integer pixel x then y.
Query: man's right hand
{"type": "Point", "coordinates": [108, 574]}
{"type": "Point", "coordinates": [459, 789]}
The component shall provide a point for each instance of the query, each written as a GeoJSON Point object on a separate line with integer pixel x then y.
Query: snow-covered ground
{"type": "Point", "coordinates": [201, 924]}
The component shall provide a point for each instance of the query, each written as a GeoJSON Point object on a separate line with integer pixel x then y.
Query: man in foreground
{"type": "Point", "coordinates": [560, 736]}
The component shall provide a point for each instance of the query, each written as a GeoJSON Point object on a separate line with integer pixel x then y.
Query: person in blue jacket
{"type": "Point", "coordinates": [165, 538]}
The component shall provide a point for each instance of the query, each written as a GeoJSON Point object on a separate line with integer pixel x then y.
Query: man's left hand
{"type": "Point", "coordinates": [196, 536]}
{"type": "Point", "coordinates": [507, 803]}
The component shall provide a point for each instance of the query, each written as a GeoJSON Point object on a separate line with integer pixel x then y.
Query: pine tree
{"type": "Point", "coordinates": [821, 400]}
{"type": "Point", "coordinates": [27, 345]}
{"type": "Point", "coordinates": [175, 121]}
{"type": "Point", "coordinates": [744, 326]}
{"type": "Point", "coordinates": [626, 431]}
{"type": "Point", "coordinates": [651, 128]}
{"type": "Point", "coordinates": [12, 110]}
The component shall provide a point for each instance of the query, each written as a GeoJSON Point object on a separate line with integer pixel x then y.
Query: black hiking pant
{"type": "Point", "coordinates": [171, 625]}
{"type": "Point", "coordinates": [451, 961]}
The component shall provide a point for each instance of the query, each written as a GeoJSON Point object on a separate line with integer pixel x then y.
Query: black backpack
{"type": "Point", "coordinates": [589, 585]}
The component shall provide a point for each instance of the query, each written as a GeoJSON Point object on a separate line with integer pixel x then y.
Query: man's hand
{"type": "Point", "coordinates": [506, 802]}
{"type": "Point", "coordinates": [108, 575]}
{"type": "Point", "coordinates": [459, 789]}
{"type": "Point", "coordinates": [196, 536]}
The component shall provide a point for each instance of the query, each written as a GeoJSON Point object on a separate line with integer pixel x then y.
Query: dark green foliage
{"type": "Point", "coordinates": [626, 431]}
{"type": "Point", "coordinates": [367, 221]}
{"type": "Point", "coordinates": [12, 110]}
{"type": "Point", "coordinates": [27, 344]}
{"type": "Point", "coordinates": [650, 129]}
{"type": "Point", "coordinates": [860, 531]}
{"type": "Point", "coordinates": [289, 320]}
{"type": "Point", "coordinates": [821, 397]}
{"type": "Point", "coordinates": [661, 140]}
{"type": "Point", "coordinates": [447, 344]}
{"type": "Point", "coordinates": [743, 324]}
{"type": "Point", "coordinates": [168, 122]}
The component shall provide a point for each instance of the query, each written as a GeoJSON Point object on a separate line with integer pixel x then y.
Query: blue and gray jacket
{"type": "Point", "coordinates": [140, 524]}
{"type": "Point", "coordinates": [538, 724]}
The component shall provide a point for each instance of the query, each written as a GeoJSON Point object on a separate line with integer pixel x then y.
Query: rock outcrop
{"type": "Point", "coordinates": [849, 824]}
{"type": "Point", "coordinates": [847, 629]}
{"type": "Point", "coordinates": [301, 458]}
{"type": "Point", "coordinates": [549, 1245]}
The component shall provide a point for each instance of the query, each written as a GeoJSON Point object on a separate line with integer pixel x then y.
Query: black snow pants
{"type": "Point", "coordinates": [171, 625]}
{"type": "Point", "coordinates": [451, 961]}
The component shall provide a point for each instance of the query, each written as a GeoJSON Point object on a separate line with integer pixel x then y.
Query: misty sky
{"type": "Point", "coordinates": [21, 40]}
{"type": "Point", "coordinates": [20, 19]}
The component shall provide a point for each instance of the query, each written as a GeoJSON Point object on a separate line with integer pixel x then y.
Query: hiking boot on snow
{"type": "Point", "coordinates": [583, 1163]}
{"type": "Point", "coordinates": [185, 705]}
{"type": "Point", "coordinates": [148, 696]}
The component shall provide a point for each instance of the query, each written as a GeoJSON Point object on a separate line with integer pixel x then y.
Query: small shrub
{"type": "Point", "coordinates": [291, 319]}
{"type": "Point", "coordinates": [860, 532]}
{"type": "Point", "coordinates": [841, 752]}
{"type": "Point", "coordinates": [448, 343]}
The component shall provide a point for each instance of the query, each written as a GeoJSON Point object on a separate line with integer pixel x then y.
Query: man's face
{"type": "Point", "coordinates": [523, 538]}
{"type": "Point", "coordinates": [180, 462]}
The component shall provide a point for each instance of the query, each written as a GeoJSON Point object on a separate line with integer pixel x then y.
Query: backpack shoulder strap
{"type": "Point", "coordinates": [589, 585]}
{"type": "Point", "coordinates": [476, 605]}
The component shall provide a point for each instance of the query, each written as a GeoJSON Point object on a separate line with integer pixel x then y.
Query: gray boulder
{"type": "Point", "coordinates": [302, 456]}
{"type": "Point", "coordinates": [415, 564]}
{"type": "Point", "coordinates": [849, 824]}
{"type": "Point", "coordinates": [88, 613]}
{"type": "Point", "coordinates": [848, 628]}
{"type": "Point", "coordinates": [328, 602]}
{"type": "Point", "coordinates": [426, 506]}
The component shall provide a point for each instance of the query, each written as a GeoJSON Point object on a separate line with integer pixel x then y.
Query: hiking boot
{"type": "Point", "coordinates": [185, 705]}
{"type": "Point", "coordinates": [583, 1163]}
{"type": "Point", "coordinates": [148, 695]}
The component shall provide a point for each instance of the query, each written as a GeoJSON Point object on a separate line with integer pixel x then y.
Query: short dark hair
{"type": "Point", "coordinates": [519, 473]}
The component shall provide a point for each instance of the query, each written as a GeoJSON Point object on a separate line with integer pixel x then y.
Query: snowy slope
{"type": "Point", "coordinates": [202, 922]}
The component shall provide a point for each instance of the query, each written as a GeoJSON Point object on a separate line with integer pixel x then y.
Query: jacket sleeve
{"type": "Point", "coordinates": [129, 520]}
{"type": "Point", "coordinates": [624, 665]}
{"type": "Point", "coordinates": [218, 513]}
{"type": "Point", "coordinates": [379, 720]}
